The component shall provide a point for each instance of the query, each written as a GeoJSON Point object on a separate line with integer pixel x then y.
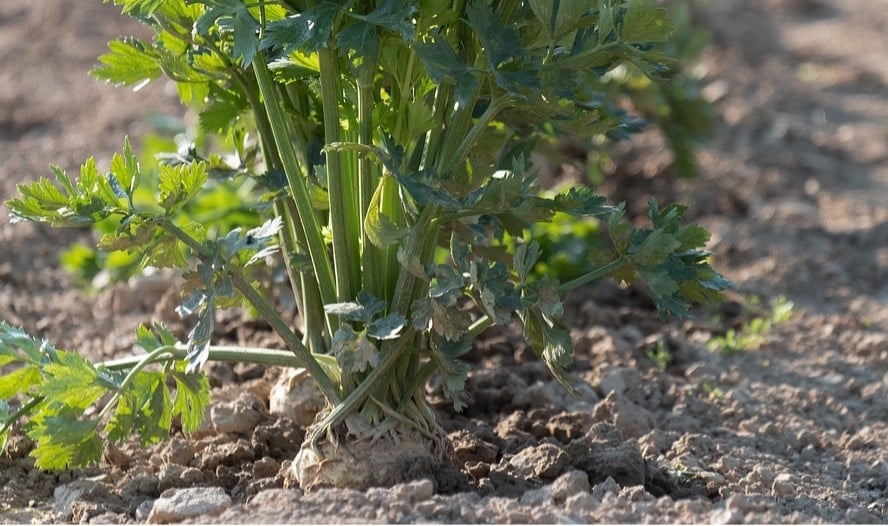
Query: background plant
{"type": "Point", "coordinates": [392, 142]}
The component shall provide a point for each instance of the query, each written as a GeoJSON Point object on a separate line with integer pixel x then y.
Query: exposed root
{"type": "Point", "coordinates": [402, 454]}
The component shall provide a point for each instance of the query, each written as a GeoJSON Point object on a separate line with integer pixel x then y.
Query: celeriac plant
{"type": "Point", "coordinates": [393, 138]}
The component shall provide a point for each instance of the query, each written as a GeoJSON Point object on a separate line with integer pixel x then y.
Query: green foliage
{"type": "Point", "coordinates": [753, 333]}
{"type": "Point", "coordinates": [56, 389]}
{"type": "Point", "coordinates": [388, 132]}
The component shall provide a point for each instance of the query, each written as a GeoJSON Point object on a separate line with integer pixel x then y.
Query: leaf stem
{"type": "Point", "coordinates": [317, 249]}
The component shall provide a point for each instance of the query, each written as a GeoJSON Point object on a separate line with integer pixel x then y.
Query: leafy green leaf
{"type": "Point", "coordinates": [551, 341]}
{"type": "Point", "coordinates": [16, 345]}
{"type": "Point", "coordinates": [63, 442]}
{"type": "Point", "coordinates": [5, 426]}
{"type": "Point", "coordinates": [232, 17]}
{"type": "Point", "coordinates": [388, 327]}
{"type": "Point", "coordinates": [129, 62]}
{"type": "Point", "coordinates": [353, 351]}
{"type": "Point", "coordinates": [144, 407]}
{"type": "Point", "coordinates": [444, 65]}
{"type": "Point", "coordinates": [140, 8]}
{"type": "Point", "coordinates": [509, 62]}
{"type": "Point", "coordinates": [179, 184]}
{"type": "Point", "coordinates": [361, 35]}
{"type": "Point", "coordinates": [307, 31]}
{"type": "Point", "coordinates": [645, 22]}
{"type": "Point", "coordinates": [19, 381]}
{"type": "Point", "coordinates": [71, 381]}
{"type": "Point", "coordinates": [192, 399]}
{"type": "Point", "coordinates": [453, 371]}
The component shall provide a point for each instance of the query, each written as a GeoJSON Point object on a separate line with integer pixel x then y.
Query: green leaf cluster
{"type": "Point", "coordinates": [388, 132]}
{"type": "Point", "coordinates": [55, 390]}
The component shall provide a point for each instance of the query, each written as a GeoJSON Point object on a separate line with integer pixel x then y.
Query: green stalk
{"type": "Point", "coordinates": [130, 375]}
{"type": "Point", "coordinates": [598, 273]}
{"type": "Point", "coordinates": [368, 179]}
{"type": "Point", "coordinates": [267, 312]}
{"type": "Point", "coordinates": [469, 138]}
{"type": "Point", "coordinates": [217, 353]}
{"type": "Point", "coordinates": [341, 185]}
{"type": "Point", "coordinates": [317, 249]}
{"type": "Point", "coordinates": [293, 342]}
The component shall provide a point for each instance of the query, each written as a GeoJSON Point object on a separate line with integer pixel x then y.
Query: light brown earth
{"type": "Point", "coordinates": [794, 187]}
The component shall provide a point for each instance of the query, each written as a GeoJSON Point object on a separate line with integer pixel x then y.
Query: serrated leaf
{"type": "Point", "coordinates": [308, 31]}
{"type": "Point", "coordinates": [361, 35]}
{"type": "Point", "coordinates": [525, 258]}
{"type": "Point", "coordinates": [233, 18]}
{"type": "Point", "coordinates": [551, 341]}
{"type": "Point", "coordinates": [444, 65]}
{"type": "Point", "coordinates": [657, 246]}
{"type": "Point", "coordinates": [192, 399]}
{"type": "Point", "coordinates": [453, 371]}
{"type": "Point", "coordinates": [71, 381]}
{"type": "Point", "coordinates": [583, 201]}
{"type": "Point", "coordinates": [363, 310]}
{"type": "Point", "coordinates": [692, 236]}
{"type": "Point", "coordinates": [165, 252]}
{"type": "Point", "coordinates": [449, 321]}
{"type": "Point", "coordinates": [179, 184]}
{"type": "Point", "coordinates": [559, 18]}
{"type": "Point", "coordinates": [151, 340]}
{"type": "Point", "coordinates": [16, 345]}
{"type": "Point", "coordinates": [4, 425]}
{"type": "Point", "coordinates": [509, 62]}
{"type": "Point", "coordinates": [388, 327]}
{"type": "Point", "coordinates": [140, 8]}
{"type": "Point", "coordinates": [645, 22]}
{"type": "Point", "coordinates": [200, 335]}
{"type": "Point", "coordinates": [153, 416]}
{"type": "Point", "coordinates": [129, 62]}
{"type": "Point", "coordinates": [19, 381]}
{"type": "Point", "coordinates": [353, 351]}
{"type": "Point", "coordinates": [63, 442]}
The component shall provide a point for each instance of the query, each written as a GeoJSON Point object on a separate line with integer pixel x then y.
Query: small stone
{"type": "Point", "coordinates": [565, 427]}
{"type": "Point", "coordinates": [581, 506]}
{"type": "Point", "coordinates": [296, 396]}
{"type": "Point", "coordinates": [785, 484]}
{"type": "Point", "coordinates": [623, 463]}
{"type": "Point", "coordinates": [178, 451]}
{"type": "Point", "coordinates": [67, 495]}
{"type": "Point", "coordinates": [239, 416]}
{"type": "Point", "coordinates": [143, 510]}
{"type": "Point", "coordinates": [468, 448]}
{"type": "Point", "coordinates": [701, 372]}
{"type": "Point", "coordinates": [414, 491]}
{"type": "Point", "coordinates": [266, 467]}
{"type": "Point", "coordinates": [608, 486]}
{"type": "Point", "coordinates": [637, 494]}
{"type": "Point", "coordinates": [178, 505]}
{"type": "Point", "coordinates": [614, 382]}
{"type": "Point", "coordinates": [536, 497]}
{"type": "Point", "coordinates": [478, 470]}
{"type": "Point", "coordinates": [545, 461]}
{"type": "Point", "coordinates": [570, 483]}
{"type": "Point", "coordinates": [631, 419]}
{"type": "Point", "coordinates": [737, 502]}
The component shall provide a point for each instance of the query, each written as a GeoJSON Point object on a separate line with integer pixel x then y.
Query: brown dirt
{"type": "Point", "coordinates": [793, 187]}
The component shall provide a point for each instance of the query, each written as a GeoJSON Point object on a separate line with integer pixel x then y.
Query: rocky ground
{"type": "Point", "coordinates": [791, 428]}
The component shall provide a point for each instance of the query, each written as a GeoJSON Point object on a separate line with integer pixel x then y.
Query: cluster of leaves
{"type": "Point", "coordinates": [58, 388]}
{"type": "Point", "coordinates": [753, 333]}
{"type": "Point", "coordinates": [225, 202]}
{"type": "Point", "coordinates": [389, 131]}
